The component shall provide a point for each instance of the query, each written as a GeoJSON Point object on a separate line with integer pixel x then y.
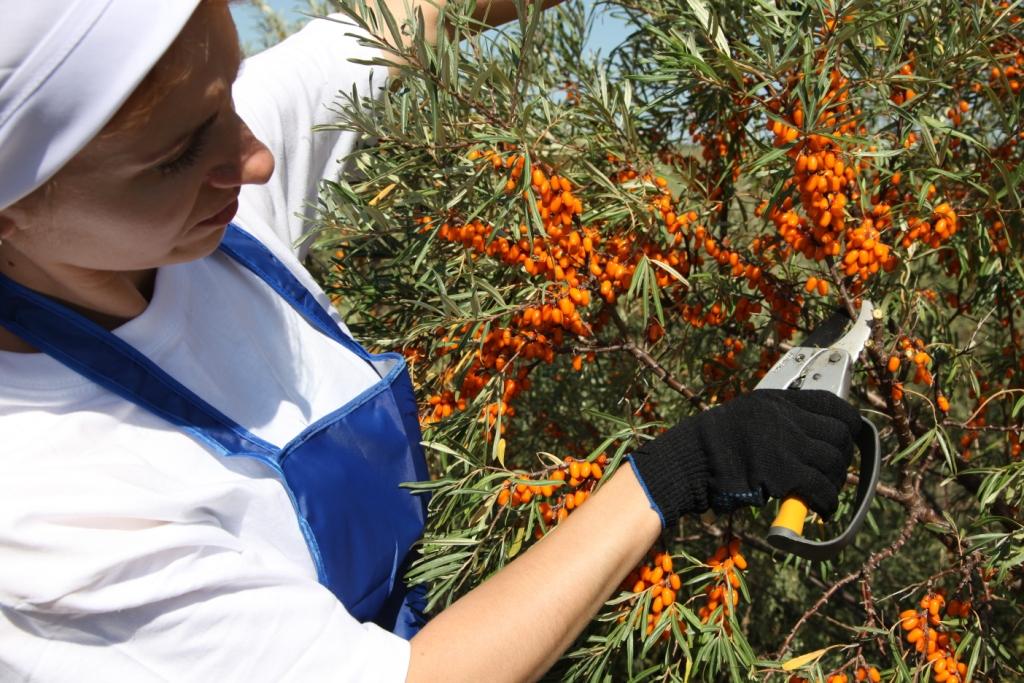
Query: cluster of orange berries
{"type": "Point", "coordinates": [576, 260]}
{"type": "Point", "coordinates": [866, 673]}
{"type": "Point", "coordinates": [573, 257]}
{"type": "Point", "coordinates": [815, 219]}
{"type": "Point", "coordinates": [697, 313]}
{"type": "Point", "coordinates": [825, 184]}
{"type": "Point", "coordinates": [659, 580]}
{"type": "Point", "coordinates": [914, 350]}
{"type": "Point", "coordinates": [495, 158]}
{"type": "Point", "coordinates": [955, 114]}
{"type": "Point", "coordinates": [940, 228]}
{"type": "Point", "coordinates": [978, 419]}
{"type": "Point", "coordinates": [862, 673]}
{"type": "Point", "coordinates": [866, 252]}
{"type": "Point", "coordinates": [785, 310]}
{"type": "Point", "coordinates": [970, 435]}
{"type": "Point", "coordinates": [924, 630]}
{"type": "Point", "coordinates": [561, 258]}
{"type": "Point", "coordinates": [997, 235]}
{"type": "Point", "coordinates": [727, 257]}
{"type": "Point", "coordinates": [721, 140]}
{"type": "Point", "coordinates": [901, 94]}
{"type": "Point", "coordinates": [498, 349]}
{"type": "Point", "coordinates": [1007, 78]}
{"type": "Point", "coordinates": [727, 563]}
{"type": "Point", "coordinates": [567, 487]}
{"type": "Point", "coordinates": [723, 365]}
{"type": "Point", "coordinates": [1012, 74]}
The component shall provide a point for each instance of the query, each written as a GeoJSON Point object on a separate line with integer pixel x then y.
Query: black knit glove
{"type": "Point", "coordinates": [769, 442]}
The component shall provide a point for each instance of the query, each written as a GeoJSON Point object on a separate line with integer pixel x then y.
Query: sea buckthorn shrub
{"type": "Point", "coordinates": [575, 250]}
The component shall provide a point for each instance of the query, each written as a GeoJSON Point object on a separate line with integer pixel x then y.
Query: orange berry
{"type": "Point", "coordinates": [657, 605]}
{"type": "Point", "coordinates": [910, 623]}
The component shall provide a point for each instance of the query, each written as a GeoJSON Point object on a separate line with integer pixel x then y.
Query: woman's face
{"type": "Point", "coordinates": [157, 193]}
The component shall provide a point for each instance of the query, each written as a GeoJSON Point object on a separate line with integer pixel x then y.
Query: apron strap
{"type": "Point", "coordinates": [112, 363]}
{"type": "Point", "coordinates": [107, 360]}
{"type": "Point", "coordinates": [254, 255]}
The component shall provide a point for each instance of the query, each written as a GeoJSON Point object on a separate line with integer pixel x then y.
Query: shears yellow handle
{"type": "Point", "coordinates": [792, 514]}
{"type": "Point", "coordinates": [826, 366]}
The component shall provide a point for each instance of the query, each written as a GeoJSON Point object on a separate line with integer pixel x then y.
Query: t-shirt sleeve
{"type": "Point", "coordinates": [282, 94]}
{"type": "Point", "coordinates": [119, 581]}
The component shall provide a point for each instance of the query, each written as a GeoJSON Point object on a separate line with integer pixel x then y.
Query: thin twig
{"type": "Point", "coordinates": [649, 361]}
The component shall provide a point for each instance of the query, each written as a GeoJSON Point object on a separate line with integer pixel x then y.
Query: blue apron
{"type": "Point", "coordinates": [343, 472]}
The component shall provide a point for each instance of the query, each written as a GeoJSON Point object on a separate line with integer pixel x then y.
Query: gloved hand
{"type": "Point", "coordinates": [770, 442]}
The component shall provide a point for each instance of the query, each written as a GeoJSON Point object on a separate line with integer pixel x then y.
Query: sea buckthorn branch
{"type": "Point", "coordinates": [563, 488]}
{"type": "Point", "coordinates": [759, 544]}
{"type": "Point", "coordinates": [873, 561]}
{"type": "Point", "coordinates": [867, 599]}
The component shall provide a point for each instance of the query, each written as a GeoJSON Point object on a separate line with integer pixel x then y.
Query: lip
{"type": "Point", "coordinates": [224, 216]}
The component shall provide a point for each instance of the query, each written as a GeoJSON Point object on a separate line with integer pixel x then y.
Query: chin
{"type": "Point", "coordinates": [198, 243]}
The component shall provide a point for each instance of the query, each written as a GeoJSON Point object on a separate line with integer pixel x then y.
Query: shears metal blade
{"type": "Point", "coordinates": [825, 361]}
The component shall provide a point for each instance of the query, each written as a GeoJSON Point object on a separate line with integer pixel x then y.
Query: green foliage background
{"type": "Point", "coordinates": [944, 517]}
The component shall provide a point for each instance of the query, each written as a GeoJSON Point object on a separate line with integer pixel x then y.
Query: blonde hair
{"type": "Point", "coordinates": [173, 69]}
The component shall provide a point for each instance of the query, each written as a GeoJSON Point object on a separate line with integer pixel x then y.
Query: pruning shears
{"type": "Point", "coordinates": [825, 361]}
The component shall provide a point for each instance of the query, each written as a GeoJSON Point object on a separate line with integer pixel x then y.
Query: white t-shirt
{"type": "Point", "coordinates": [130, 552]}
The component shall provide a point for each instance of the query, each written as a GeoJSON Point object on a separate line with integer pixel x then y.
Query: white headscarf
{"type": "Point", "coordinates": [66, 67]}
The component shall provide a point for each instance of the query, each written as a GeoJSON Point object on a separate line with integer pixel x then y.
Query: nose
{"type": "Point", "coordinates": [252, 163]}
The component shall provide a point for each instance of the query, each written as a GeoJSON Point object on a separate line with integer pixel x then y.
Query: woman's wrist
{"type": "Point", "coordinates": [507, 628]}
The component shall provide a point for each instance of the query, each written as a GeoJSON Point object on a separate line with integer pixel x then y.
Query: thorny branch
{"type": "Point", "coordinates": [659, 370]}
{"type": "Point", "coordinates": [873, 561]}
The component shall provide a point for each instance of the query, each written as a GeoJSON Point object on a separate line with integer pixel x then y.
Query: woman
{"type": "Point", "coordinates": [200, 470]}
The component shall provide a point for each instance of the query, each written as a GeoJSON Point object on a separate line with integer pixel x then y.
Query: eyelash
{"type": "Point", "coordinates": [191, 154]}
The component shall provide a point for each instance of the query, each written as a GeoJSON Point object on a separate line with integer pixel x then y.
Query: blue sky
{"type": "Point", "coordinates": [606, 34]}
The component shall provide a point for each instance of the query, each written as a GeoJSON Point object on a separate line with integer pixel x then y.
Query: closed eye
{"type": "Point", "coordinates": [192, 151]}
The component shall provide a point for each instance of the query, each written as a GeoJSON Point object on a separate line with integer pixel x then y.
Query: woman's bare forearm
{"type": "Point", "coordinates": [516, 624]}
{"type": "Point", "coordinates": [487, 12]}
